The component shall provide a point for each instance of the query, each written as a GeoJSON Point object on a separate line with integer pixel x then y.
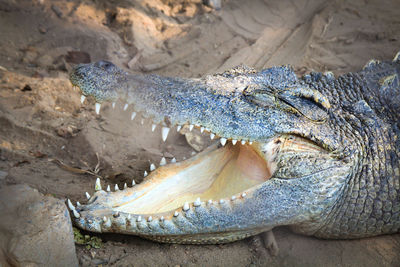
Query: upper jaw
{"type": "Point", "coordinates": [230, 114]}
{"type": "Point", "coordinates": [176, 101]}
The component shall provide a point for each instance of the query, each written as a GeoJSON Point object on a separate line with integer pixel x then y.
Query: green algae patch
{"type": "Point", "coordinates": [87, 240]}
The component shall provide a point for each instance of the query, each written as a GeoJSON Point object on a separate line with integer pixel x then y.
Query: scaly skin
{"type": "Point", "coordinates": [329, 151]}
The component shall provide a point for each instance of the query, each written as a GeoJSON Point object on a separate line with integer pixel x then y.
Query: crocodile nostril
{"type": "Point", "coordinates": [105, 64]}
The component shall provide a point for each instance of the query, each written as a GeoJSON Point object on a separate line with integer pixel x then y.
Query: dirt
{"type": "Point", "coordinates": [43, 124]}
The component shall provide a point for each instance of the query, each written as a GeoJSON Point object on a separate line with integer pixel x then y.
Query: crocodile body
{"type": "Point", "coordinates": [318, 153]}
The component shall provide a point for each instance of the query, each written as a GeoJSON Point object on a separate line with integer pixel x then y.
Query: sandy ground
{"type": "Point", "coordinates": [41, 118]}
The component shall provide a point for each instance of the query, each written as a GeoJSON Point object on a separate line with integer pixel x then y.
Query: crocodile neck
{"type": "Point", "coordinates": [370, 201]}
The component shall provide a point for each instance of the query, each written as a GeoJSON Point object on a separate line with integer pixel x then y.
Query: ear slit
{"type": "Point", "coordinates": [311, 94]}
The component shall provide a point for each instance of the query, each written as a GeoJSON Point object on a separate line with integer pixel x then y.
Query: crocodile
{"type": "Point", "coordinates": [318, 153]}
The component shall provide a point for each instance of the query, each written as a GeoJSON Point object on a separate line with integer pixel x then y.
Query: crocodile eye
{"type": "Point", "coordinates": [300, 100]}
{"type": "Point", "coordinates": [262, 97]}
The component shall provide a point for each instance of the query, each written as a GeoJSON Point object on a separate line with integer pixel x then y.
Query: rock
{"type": "Point", "coordinates": [195, 139]}
{"type": "Point", "coordinates": [35, 230]}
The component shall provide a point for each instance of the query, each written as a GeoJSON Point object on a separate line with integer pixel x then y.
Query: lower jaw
{"type": "Point", "coordinates": [197, 201]}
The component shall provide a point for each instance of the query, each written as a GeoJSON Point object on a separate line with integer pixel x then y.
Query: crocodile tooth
{"type": "Point", "coordinates": [191, 126]}
{"type": "Point", "coordinates": [212, 136]}
{"type": "Point", "coordinates": [329, 75]}
{"type": "Point", "coordinates": [371, 63]}
{"type": "Point", "coordinates": [234, 141]}
{"type": "Point", "coordinates": [162, 219]}
{"type": "Point", "coordinates": [223, 141]}
{"type": "Point", "coordinates": [70, 205]}
{"type": "Point", "coordinates": [221, 201]}
{"type": "Point", "coordinates": [106, 222]}
{"type": "Point", "coordinates": [243, 194]}
{"type": "Point", "coordinates": [125, 186]}
{"type": "Point", "coordinates": [139, 219]}
{"type": "Point", "coordinates": [145, 174]}
{"type": "Point", "coordinates": [185, 206]}
{"type": "Point", "coordinates": [153, 127]}
{"type": "Point", "coordinates": [133, 181]}
{"type": "Point", "coordinates": [83, 99]}
{"type": "Point", "coordinates": [397, 57]}
{"type": "Point", "coordinates": [173, 160]}
{"type": "Point", "coordinates": [152, 167]}
{"type": "Point", "coordinates": [76, 214]}
{"type": "Point", "coordinates": [176, 214]}
{"type": "Point", "coordinates": [97, 186]}
{"type": "Point", "coordinates": [201, 129]}
{"type": "Point", "coordinates": [163, 161]}
{"type": "Point", "coordinates": [197, 202]}
{"type": "Point", "coordinates": [97, 107]}
{"type": "Point", "coordinates": [149, 219]}
{"type": "Point", "coordinates": [126, 107]}
{"type": "Point", "coordinates": [251, 142]}
{"type": "Point", "coordinates": [129, 217]}
{"type": "Point", "coordinates": [178, 128]}
{"type": "Point", "coordinates": [87, 195]}
{"type": "Point", "coordinates": [116, 187]}
{"type": "Point", "coordinates": [243, 142]}
{"type": "Point", "coordinates": [78, 204]}
{"type": "Point", "coordinates": [164, 133]}
{"type": "Point", "coordinates": [209, 201]}
{"type": "Point", "coordinates": [142, 122]}
{"type": "Point", "coordinates": [113, 105]}
{"type": "Point", "coordinates": [133, 115]}
{"type": "Point", "coordinates": [108, 188]}
{"type": "Point", "coordinates": [233, 198]}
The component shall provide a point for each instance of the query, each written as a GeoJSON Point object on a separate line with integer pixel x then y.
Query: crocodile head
{"type": "Point", "coordinates": [280, 159]}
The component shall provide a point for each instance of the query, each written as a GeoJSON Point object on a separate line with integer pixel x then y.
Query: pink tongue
{"type": "Point", "coordinates": [251, 165]}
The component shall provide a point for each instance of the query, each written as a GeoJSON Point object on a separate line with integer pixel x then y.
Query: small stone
{"type": "Point", "coordinates": [57, 11]}
{"type": "Point", "coordinates": [195, 139]}
{"type": "Point", "coordinates": [42, 30]}
{"type": "Point", "coordinates": [216, 4]}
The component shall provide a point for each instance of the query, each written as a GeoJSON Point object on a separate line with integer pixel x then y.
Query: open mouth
{"type": "Point", "coordinates": [215, 175]}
